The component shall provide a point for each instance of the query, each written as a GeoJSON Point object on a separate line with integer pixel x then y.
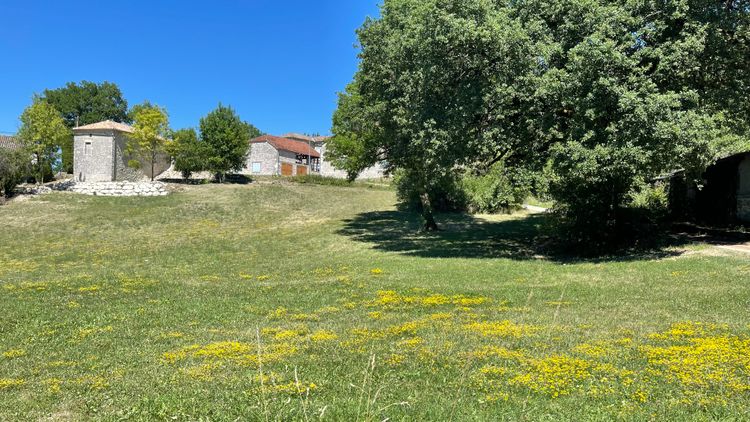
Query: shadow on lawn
{"type": "Point", "coordinates": [464, 236]}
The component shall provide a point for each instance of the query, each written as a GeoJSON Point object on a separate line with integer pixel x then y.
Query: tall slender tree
{"type": "Point", "coordinates": [150, 132]}
{"type": "Point", "coordinates": [42, 131]}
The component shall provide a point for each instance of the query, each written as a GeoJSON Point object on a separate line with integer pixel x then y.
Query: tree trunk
{"type": "Point", "coordinates": [40, 163]}
{"type": "Point", "coordinates": [153, 158]}
{"type": "Point", "coordinates": [429, 219]}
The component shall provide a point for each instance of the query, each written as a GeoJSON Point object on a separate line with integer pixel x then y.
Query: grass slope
{"type": "Point", "coordinates": [287, 301]}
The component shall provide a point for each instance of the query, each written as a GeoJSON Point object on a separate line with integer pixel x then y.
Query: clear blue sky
{"type": "Point", "coordinates": [278, 63]}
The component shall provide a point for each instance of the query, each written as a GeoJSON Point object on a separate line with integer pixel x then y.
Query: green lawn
{"type": "Point", "coordinates": [285, 301]}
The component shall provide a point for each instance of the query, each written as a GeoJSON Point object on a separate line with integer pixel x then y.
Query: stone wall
{"type": "Point", "coordinates": [120, 189]}
{"type": "Point", "coordinates": [266, 155]}
{"type": "Point", "coordinates": [123, 171]}
{"type": "Point", "coordinates": [327, 169]}
{"type": "Point", "coordinates": [92, 156]}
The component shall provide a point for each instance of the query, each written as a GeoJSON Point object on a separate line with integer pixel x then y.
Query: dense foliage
{"type": "Point", "coordinates": [150, 132]}
{"type": "Point", "coordinates": [42, 132]}
{"type": "Point", "coordinates": [15, 166]}
{"type": "Point", "coordinates": [188, 152]}
{"type": "Point", "coordinates": [226, 138]}
{"type": "Point", "coordinates": [607, 95]}
{"type": "Point", "coordinates": [84, 103]}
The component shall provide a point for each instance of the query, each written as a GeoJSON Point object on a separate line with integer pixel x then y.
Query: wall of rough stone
{"type": "Point", "coordinates": [120, 188]}
{"type": "Point", "coordinates": [266, 155]}
{"type": "Point", "coordinates": [123, 171]}
{"type": "Point", "coordinates": [94, 165]}
{"type": "Point", "coordinates": [327, 169]}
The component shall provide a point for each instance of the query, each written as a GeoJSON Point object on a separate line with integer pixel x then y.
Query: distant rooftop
{"type": "Point", "coordinates": [106, 125]}
{"type": "Point", "coordinates": [9, 142]}
{"type": "Point", "coordinates": [306, 138]}
{"type": "Point", "coordinates": [288, 144]}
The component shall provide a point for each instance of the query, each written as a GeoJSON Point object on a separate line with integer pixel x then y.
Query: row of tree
{"type": "Point", "coordinates": [603, 95]}
{"type": "Point", "coordinates": [46, 133]}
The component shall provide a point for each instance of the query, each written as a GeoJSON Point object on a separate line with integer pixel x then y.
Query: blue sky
{"type": "Point", "coordinates": [278, 63]}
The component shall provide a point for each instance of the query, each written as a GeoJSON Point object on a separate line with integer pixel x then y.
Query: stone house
{"type": "Point", "coordinates": [279, 156]}
{"type": "Point", "coordinates": [100, 155]}
{"type": "Point", "coordinates": [326, 167]}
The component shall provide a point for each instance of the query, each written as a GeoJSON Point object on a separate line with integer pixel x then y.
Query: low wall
{"type": "Point", "coordinates": [100, 188]}
{"type": "Point", "coordinates": [120, 189]}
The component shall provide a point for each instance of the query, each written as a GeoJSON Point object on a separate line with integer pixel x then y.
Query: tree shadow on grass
{"type": "Point", "coordinates": [465, 236]}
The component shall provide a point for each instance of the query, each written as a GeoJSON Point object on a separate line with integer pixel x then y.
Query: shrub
{"type": "Point", "coordinates": [188, 152]}
{"type": "Point", "coordinates": [500, 190]}
{"type": "Point", "coordinates": [15, 166]}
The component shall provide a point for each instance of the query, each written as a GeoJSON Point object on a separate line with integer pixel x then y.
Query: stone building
{"type": "Point", "coordinates": [326, 167]}
{"type": "Point", "coordinates": [100, 155]}
{"type": "Point", "coordinates": [279, 156]}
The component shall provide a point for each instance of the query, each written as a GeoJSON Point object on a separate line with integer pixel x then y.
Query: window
{"type": "Point", "coordinates": [256, 167]}
{"type": "Point", "coordinates": [87, 148]}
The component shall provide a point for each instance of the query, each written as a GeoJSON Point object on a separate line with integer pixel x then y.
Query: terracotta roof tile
{"type": "Point", "coordinates": [106, 125]}
{"type": "Point", "coordinates": [286, 144]}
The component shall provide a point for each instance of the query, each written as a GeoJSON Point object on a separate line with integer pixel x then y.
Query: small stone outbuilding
{"type": "Point", "coordinates": [100, 155]}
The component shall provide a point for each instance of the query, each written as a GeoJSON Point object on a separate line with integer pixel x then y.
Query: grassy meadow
{"type": "Point", "coordinates": [279, 301]}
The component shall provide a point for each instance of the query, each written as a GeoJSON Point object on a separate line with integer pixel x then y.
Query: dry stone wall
{"type": "Point", "coordinates": [121, 189]}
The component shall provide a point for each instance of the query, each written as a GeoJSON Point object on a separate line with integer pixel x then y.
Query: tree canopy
{"type": "Point", "coordinates": [150, 132]}
{"type": "Point", "coordinates": [84, 103]}
{"type": "Point", "coordinates": [611, 94]}
{"type": "Point", "coordinates": [42, 131]}
{"type": "Point", "coordinates": [227, 140]}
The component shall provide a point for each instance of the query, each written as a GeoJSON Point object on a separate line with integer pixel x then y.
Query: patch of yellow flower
{"type": "Point", "coordinates": [502, 329]}
{"type": "Point", "coordinates": [595, 350]}
{"type": "Point", "coordinates": [395, 359]}
{"type": "Point", "coordinates": [54, 385]}
{"type": "Point", "coordinates": [392, 299]}
{"type": "Point", "coordinates": [323, 335]}
{"type": "Point", "coordinates": [14, 353]}
{"type": "Point", "coordinates": [89, 289]}
{"type": "Point", "coordinates": [83, 333]}
{"type": "Point", "coordinates": [714, 361]}
{"type": "Point", "coordinates": [376, 271]}
{"type": "Point", "coordinates": [8, 383]}
{"type": "Point", "coordinates": [555, 375]}
{"type": "Point", "coordinates": [233, 352]}
{"type": "Point", "coordinates": [375, 315]}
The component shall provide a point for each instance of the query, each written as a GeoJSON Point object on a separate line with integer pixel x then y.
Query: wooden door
{"type": "Point", "coordinates": [286, 169]}
{"type": "Point", "coordinates": [301, 170]}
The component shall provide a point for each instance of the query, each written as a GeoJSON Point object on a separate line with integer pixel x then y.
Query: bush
{"type": "Point", "coordinates": [591, 187]}
{"type": "Point", "coordinates": [188, 152]}
{"type": "Point", "coordinates": [15, 167]}
{"type": "Point", "coordinates": [500, 190]}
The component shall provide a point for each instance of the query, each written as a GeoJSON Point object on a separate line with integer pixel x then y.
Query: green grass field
{"type": "Point", "coordinates": [303, 302]}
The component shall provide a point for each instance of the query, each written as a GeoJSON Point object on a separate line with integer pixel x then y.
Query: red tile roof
{"type": "Point", "coordinates": [286, 144]}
